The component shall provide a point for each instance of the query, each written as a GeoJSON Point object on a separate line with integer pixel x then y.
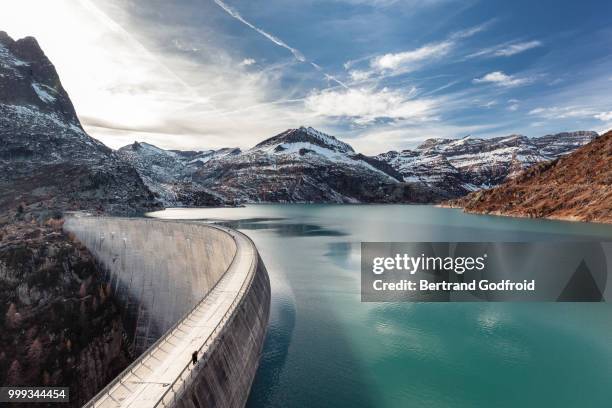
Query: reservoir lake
{"type": "Point", "coordinates": [325, 348]}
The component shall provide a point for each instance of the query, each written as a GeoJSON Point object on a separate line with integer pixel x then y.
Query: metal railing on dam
{"type": "Point", "coordinates": [212, 278]}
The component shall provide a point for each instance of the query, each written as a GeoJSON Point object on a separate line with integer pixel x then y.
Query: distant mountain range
{"type": "Point", "coordinates": [305, 165]}
{"type": "Point", "coordinates": [298, 165]}
{"type": "Point", "coordinates": [577, 187]}
{"type": "Point", "coordinates": [459, 166]}
{"type": "Point", "coordinates": [47, 159]}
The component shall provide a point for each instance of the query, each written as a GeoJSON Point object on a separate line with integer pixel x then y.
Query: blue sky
{"type": "Point", "coordinates": [380, 74]}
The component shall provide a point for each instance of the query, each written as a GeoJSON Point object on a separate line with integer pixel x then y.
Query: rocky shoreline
{"type": "Point", "coordinates": [577, 187]}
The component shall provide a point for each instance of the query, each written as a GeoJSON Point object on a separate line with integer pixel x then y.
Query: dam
{"type": "Point", "coordinates": [195, 300]}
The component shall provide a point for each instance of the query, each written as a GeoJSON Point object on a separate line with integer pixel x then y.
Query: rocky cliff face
{"type": "Point", "coordinates": [168, 173]}
{"type": "Point", "coordinates": [459, 166]}
{"type": "Point", "coordinates": [59, 326]}
{"type": "Point", "coordinates": [305, 165]}
{"type": "Point", "coordinates": [46, 158]}
{"type": "Point", "coordinates": [577, 186]}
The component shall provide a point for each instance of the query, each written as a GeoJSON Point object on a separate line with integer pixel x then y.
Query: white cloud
{"type": "Point", "coordinates": [556, 112]}
{"type": "Point", "coordinates": [513, 104]}
{"type": "Point", "coordinates": [489, 104]}
{"type": "Point", "coordinates": [248, 61]}
{"type": "Point", "coordinates": [410, 60]}
{"type": "Point", "coordinates": [402, 62]}
{"type": "Point", "coordinates": [516, 48]}
{"type": "Point", "coordinates": [506, 49]}
{"type": "Point", "coordinates": [604, 116]}
{"type": "Point", "coordinates": [358, 76]}
{"type": "Point", "coordinates": [472, 30]}
{"type": "Point", "coordinates": [501, 79]}
{"type": "Point", "coordinates": [364, 106]}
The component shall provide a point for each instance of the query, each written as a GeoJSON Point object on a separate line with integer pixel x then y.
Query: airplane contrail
{"type": "Point", "coordinates": [296, 53]}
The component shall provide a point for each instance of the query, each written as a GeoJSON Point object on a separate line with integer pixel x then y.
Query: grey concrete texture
{"type": "Point", "coordinates": [158, 270]}
{"type": "Point", "coordinates": [225, 377]}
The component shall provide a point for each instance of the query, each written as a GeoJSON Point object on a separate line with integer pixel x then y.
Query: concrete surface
{"type": "Point", "coordinates": [183, 287]}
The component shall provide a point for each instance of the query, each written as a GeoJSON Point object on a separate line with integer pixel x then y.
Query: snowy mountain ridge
{"type": "Point", "coordinates": [306, 165]}
{"type": "Point", "coordinates": [463, 165]}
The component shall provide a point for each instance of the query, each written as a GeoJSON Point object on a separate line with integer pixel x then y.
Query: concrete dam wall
{"type": "Point", "coordinates": [183, 288]}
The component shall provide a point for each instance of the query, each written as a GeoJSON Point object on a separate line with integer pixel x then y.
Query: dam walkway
{"type": "Point", "coordinates": [159, 376]}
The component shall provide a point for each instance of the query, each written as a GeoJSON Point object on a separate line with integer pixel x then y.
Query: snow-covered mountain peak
{"type": "Point", "coordinates": [29, 80]}
{"type": "Point", "coordinates": [148, 149]}
{"type": "Point", "coordinates": [306, 138]}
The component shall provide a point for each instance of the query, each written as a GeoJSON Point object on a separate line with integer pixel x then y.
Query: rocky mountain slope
{"type": "Point", "coordinates": [46, 158]}
{"type": "Point", "coordinates": [577, 186]}
{"type": "Point", "coordinates": [305, 165]}
{"type": "Point", "coordinates": [459, 166]}
{"type": "Point", "coordinates": [59, 326]}
{"type": "Point", "coordinates": [168, 173]}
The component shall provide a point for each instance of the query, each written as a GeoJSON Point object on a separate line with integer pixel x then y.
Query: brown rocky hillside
{"type": "Point", "coordinates": [576, 187]}
{"type": "Point", "coordinates": [59, 326]}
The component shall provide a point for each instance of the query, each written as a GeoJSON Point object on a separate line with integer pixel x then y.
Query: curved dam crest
{"type": "Point", "coordinates": [183, 287]}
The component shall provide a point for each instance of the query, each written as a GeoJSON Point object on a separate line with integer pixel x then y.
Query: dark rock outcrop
{"type": "Point", "coordinates": [46, 158]}
{"type": "Point", "coordinates": [168, 173]}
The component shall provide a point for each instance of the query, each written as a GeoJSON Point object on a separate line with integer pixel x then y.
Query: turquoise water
{"type": "Point", "coordinates": [327, 349]}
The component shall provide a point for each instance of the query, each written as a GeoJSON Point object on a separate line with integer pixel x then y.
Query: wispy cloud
{"type": "Point", "coordinates": [500, 79]}
{"type": "Point", "coordinates": [364, 106]}
{"type": "Point", "coordinates": [248, 61]}
{"type": "Point", "coordinates": [489, 104]}
{"type": "Point", "coordinates": [513, 49]}
{"type": "Point", "coordinates": [513, 105]}
{"type": "Point", "coordinates": [506, 49]}
{"type": "Point", "coordinates": [471, 31]}
{"type": "Point", "coordinates": [297, 54]}
{"type": "Point", "coordinates": [565, 112]}
{"type": "Point", "coordinates": [402, 62]}
{"type": "Point", "coordinates": [604, 116]}
{"type": "Point", "coordinates": [407, 61]}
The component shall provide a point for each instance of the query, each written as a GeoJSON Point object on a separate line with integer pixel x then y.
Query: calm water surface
{"type": "Point", "coordinates": [327, 349]}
